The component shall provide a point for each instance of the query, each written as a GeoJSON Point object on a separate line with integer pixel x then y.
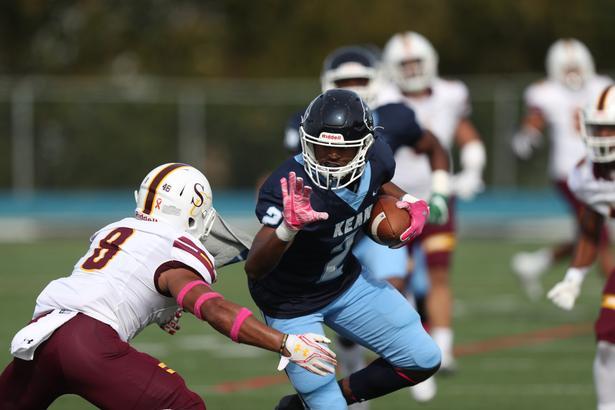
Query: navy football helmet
{"type": "Point", "coordinates": [338, 118]}
{"type": "Point", "coordinates": [359, 66]}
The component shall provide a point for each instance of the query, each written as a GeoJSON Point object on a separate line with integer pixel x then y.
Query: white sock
{"type": "Point", "coordinates": [604, 375]}
{"type": "Point", "coordinates": [443, 336]}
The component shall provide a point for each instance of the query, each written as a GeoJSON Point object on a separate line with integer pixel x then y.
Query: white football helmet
{"type": "Point", "coordinates": [352, 63]}
{"type": "Point", "coordinates": [178, 195]}
{"type": "Point", "coordinates": [570, 63]}
{"type": "Point", "coordinates": [410, 61]}
{"type": "Point", "coordinates": [598, 127]}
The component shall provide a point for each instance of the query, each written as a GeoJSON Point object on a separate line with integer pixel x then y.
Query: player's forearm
{"type": "Point", "coordinates": [391, 189]}
{"type": "Point", "coordinates": [437, 155]}
{"type": "Point", "coordinates": [223, 316]}
{"type": "Point", "coordinates": [585, 253]}
{"type": "Point", "coordinates": [534, 120]}
{"type": "Point", "coordinates": [586, 249]}
{"type": "Point", "coordinates": [265, 254]}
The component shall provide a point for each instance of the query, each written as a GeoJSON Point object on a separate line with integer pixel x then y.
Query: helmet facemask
{"type": "Point", "coordinates": [598, 127]}
{"type": "Point", "coordinates": [599, 139]}
{"type": "Point", "coordinates": [570, 63]}
{"type": "Point", "coordinates": [414, 75]}
{"type": "Point", "coordinates": [411, 61]}
{"type": "Point", "coordinates": [334, 177]}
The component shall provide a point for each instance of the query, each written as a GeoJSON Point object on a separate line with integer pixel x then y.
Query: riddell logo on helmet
{"type": "Point", "coordinates": [327, 136]}
{"type": "Point", "coordinates": [140, 215]}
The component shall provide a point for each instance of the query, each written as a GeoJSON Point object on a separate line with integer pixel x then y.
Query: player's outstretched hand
{"type": "Point", "coordinates": [298, 210]}
{"type": "Point", "coordinates": [419, 212]}
{"type": "Point", "coordinates": [172, 326]}
{"type": "Point", "coordinates": [308, 351]}
{"type": "Point", "coordinates": [565, 293]}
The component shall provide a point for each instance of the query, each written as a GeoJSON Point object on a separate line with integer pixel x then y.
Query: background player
{"type": "Point", "coordinates": [443, 107]}
{"type": "Point", "coordinates": [554, 103]}
{"type": "Point", "coordinates": [137, 271]}
{"type": "Point", "coordinates": [593, 183]}
{"type": "Point", "coordinates": [301, 271]}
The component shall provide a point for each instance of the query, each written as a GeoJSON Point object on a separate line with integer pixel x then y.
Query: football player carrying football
{"type": "Point", "coordinates": [138, 271]}
{"type": "Point", "coordinates": [302, 273]}
{"type": "Point", "coordinates": [592, 182]}
{"type": "Point", "coordinates": [358, 68]}
{"type": "Point", "coordinates": [555, 103]}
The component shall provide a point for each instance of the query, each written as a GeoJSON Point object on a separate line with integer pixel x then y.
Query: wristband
{"type": "Point", "coordinates": [285, 233]}
{"type": "Point", "coordinates": [440, 182]}
{"type": "Point", "coordinates": [576, 274]}
{"type": "Point", "coordinates": [182, 293]}
{"type": "Point", "coordinates": [239, 319]}
{"type": "Point", "coordinates": [283, 345]}
{"type": "Point", "coordinates": [409, 198]}
{"type": "Point", "coordinates": [473, 156]}
{"type": "Point", "coordinates": [202, 299]}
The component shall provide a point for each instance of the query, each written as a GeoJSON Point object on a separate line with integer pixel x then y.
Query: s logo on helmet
{"type": "Point", "coordinates": [199, 199]}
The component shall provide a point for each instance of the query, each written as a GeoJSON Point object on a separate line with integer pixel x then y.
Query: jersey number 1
{"type": "Point", "coordinates": [107, 248]}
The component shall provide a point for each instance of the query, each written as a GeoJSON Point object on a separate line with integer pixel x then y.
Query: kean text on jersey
{"type": "Point", "coordinates": [347, 226]}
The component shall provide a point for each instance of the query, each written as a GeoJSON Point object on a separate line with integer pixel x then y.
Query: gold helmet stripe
{"type": "Point", "coordinates": [153, 186]}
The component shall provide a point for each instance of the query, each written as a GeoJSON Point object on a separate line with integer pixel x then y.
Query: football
{"type": "Point", "coordinates": [387, 222]}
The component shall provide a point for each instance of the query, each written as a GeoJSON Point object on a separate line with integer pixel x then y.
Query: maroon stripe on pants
{"type": "Point", "coordinates": [86, 357]}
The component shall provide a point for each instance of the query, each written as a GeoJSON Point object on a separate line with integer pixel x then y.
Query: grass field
{"type": "Point", "coordinates": [513, 354]}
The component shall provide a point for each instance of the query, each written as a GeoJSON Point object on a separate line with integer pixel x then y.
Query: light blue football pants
{"type": "Point", "coordinates": [373, 314]}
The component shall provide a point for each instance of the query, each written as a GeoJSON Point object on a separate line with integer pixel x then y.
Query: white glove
{"type": "Point", "coordinates": [172, 326]}
{"type": "Point", "coordinates": [525, 141]}
{"type": "Point", "coordinates": [467, 184]}
{"type": "Point", "coordinates": [565, 292]}
{"type": "Point", "coordinates": [308, 352]}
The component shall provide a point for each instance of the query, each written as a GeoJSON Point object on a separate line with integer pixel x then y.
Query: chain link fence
{"type": "Point", "coordinates": [100, 133]}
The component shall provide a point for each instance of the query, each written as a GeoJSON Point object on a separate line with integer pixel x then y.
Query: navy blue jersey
{"type": "Point", "coordinates": [398, 122]}
{"type": "Point", "coordinates": [318, 266]}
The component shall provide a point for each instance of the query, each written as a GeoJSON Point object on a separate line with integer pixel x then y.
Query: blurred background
{"type": "Point", "coordinates": [94, 94]}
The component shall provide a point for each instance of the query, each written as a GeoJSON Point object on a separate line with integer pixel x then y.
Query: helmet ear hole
{"type": "Point", "coordinates": [191, 222]}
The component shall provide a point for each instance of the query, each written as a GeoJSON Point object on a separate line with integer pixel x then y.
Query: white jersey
{"type": "Point", "coordinates": [560, 107]}
{"type": "Point", "coordinates": [115, 282]}
{"type": "Point", "coordinates": [597, 193]}
{"type": "Point", "coordinates": [440, 112]}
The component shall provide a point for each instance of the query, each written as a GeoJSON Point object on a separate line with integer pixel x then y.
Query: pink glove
{"type": "Point", "coordinates": [419, 212]}
{"type": "Point", "coordinates": [298, 211]}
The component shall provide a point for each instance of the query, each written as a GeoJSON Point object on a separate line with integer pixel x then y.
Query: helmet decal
{"type": "Point", "coordinates": [153, 186]}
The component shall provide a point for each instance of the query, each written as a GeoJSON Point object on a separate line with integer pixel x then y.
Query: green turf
{"type": "Point", "coordinates": [488, 304]}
